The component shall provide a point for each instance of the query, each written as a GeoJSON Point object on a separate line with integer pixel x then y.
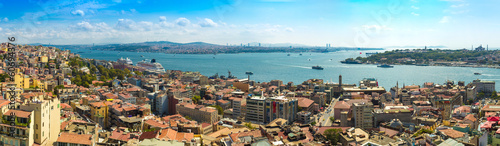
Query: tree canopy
{"type": "Point", "coordinates": [332, 135]}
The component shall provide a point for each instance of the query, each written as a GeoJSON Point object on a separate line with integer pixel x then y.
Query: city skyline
{"type": "Point", "coordinates": [452, 24]}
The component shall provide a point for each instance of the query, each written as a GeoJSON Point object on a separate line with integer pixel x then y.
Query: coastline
{"type": "Point", "coordinates": [469, 66]}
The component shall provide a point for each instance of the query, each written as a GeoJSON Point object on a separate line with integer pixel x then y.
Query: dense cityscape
{"type": "Point", "coordinates": [55, 97]}
{"type": "Point", "coordinates": [249, 73]}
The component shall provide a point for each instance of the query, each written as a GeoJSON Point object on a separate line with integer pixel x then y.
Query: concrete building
{"type": "Point", "coordinates": [362, 114]}
{"type": "Point", "coordinates": [127, 98]}
{"type": "Point", "coordinates": [198, 113]}
{"type": "Point", "coordinates": [237, 107]}
{"type": "Point", "coordinates": [403, 113]}
{"type": "Point", "coordinates": [343, 119]}
{"type": "Point", "coordinates": [47, 114]}
{"type": "Point", "coordinates": [24, 128]}
{"type": "Point", "coordinates": [405, 97]}
{"type": "Point", "coordinates": [99, 113]}
{"type": "Point", "coordinates": [160, 103]}
{"type": "Point", "coordinates": [484, 86]}
{"type": "Point", "coordinates": [255, 109]}
{"type": "Point", "coordinates": [281, 107]}
{"type": "Point", "coordinates": [304, 117]}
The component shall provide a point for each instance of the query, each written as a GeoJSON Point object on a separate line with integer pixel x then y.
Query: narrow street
{"type": "Point", "coordinates": [324, 120]}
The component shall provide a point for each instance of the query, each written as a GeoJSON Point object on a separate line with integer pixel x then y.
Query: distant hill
{"type": "Point", "coordinates": [205, 48]}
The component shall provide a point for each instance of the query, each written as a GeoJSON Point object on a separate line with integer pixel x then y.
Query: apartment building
{"type": "Point", "coordinates": [281, 107]}
{"type": "Point", "coordinates": [255, 109]}
{"type": "Point", "coordinates": [47, 112]}
{"type": "Point", "coordinates": [198, 113]}
{"type": "Point", "coordinates": [362, 113]}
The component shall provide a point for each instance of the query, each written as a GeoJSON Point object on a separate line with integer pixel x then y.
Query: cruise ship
{"type": "Point", "coordinates": [151, 65]}
{"type": "Point", "coordinates": [125, 61]}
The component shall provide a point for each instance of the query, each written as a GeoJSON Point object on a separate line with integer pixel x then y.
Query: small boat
{"type": "Point", "coordinates": [300, 54]}
{"type": "Point", "coordinates": [317, 67]}
{"type": "Point", "coordinates": [309, 59]}
{"type": "Point", "coordinates": [249, 73]}
{"type": "Point", "coordinates": [422, 65]}
{"type": "Point", "coordinates": [142, 55]}
{"type": "Point", "coordinates": [288, 55]}
{"type": "Point", "coordinates": [214, 57]}
{"type": "Point", "coordinates": [385, 66]}
{"type": "Point", "coordinates": [477, 73]}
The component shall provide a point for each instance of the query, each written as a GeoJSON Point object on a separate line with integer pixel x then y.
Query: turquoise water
{"type": "Point", "coordinates": [296, 68]}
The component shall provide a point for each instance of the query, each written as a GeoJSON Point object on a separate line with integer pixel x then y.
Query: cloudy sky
{"type": "Point", "coordinates": [352, 23]}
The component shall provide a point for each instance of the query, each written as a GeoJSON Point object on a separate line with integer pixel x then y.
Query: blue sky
{"type": "Point", "coordinates": [352, 23]}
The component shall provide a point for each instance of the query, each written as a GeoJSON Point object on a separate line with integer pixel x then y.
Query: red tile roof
{"type": "Point", "coordinates": [341, 105]}
{"type": "Point", "coordinates": [452, 133]}
{"type": "Point", "coordinates": [19, 113]}
{"type": "Point", "coordinates": [74, 138]}
{"type": "Point", "coordinates": [148, 135]}
{"type": "Point", "coordinates": [170, 134]}
{"type": "Point", "coordinates": [304, 102]}
{"type": "Point", "coordinates": [4, 102]}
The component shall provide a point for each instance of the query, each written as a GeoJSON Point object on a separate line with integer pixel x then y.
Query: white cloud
{"type": "Point", "coordinates": [86, 26]}
{"type": "Point", "coordinates": [445, 19]}
{"type": "Point", "coordinates": [78, 13]}
{"type": "Point", "coordinates": [145, 26]}
{"type": "Point", "coordinates": [1, 29]}
{"type": "Point", "coordinates": [208, 23]}
{"type": "Point", "coordinates": [289, 29]}
{"type": "Point", "coordinates": [126, 24]}
{"type": "Point", "coordinates": [415, 14]}
{"type": "Point", "coordinates": [6, 19]}
{"type": "Point", "coordinates": [182, 21]}
{"type": "Point", "coordinates": [415, 7]}
{"type": "Point", "coordinates": [117, 1]}
{"type": "Point", "coordinates": [163, 18]}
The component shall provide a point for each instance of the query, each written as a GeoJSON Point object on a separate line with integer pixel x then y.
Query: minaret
{"type": "Point", "coordinates": [486, 47]}
{"type": "Point", "coordinates": [340, 82]}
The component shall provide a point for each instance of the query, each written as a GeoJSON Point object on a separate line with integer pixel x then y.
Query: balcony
{"type": "Point", "coordinates": [23, 122]}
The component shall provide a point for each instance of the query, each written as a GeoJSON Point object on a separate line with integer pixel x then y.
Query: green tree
{"type": "Point", "coordinates": [313, 123]}
{"type": "Point", "coordinates": [196, 98]}
{"type": "Point", "coordinates": [480, 95]}
{"type": "Point", "coordinates": [249, 125]}
{"type": "Point", "coordinates": [3, 77]}
{"type": "Point", "coordinates": [332, 135]}
{"type": "Point", "coordinates": [332, 119]}
{"type": "Point", "coordinates": [219, 109]}
{"type": "Point", "coordinates": [494, 95]}
{"type": "Point", "coordinates": [138, 73]}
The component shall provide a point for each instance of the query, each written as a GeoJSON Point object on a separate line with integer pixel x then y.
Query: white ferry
{"type": "Point", "coordinates": [125, 61]}
{"type": "Point", "coordinates": [151, 65]}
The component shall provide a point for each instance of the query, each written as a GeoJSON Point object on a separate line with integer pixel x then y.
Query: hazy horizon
{"type": "Point", "coordinates": [454, 24]}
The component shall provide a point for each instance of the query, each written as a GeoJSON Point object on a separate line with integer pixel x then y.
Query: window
{"type": "Point", "coordinates": [36, 126]}
{"type": "Point", "coordinates": [36, 136]}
